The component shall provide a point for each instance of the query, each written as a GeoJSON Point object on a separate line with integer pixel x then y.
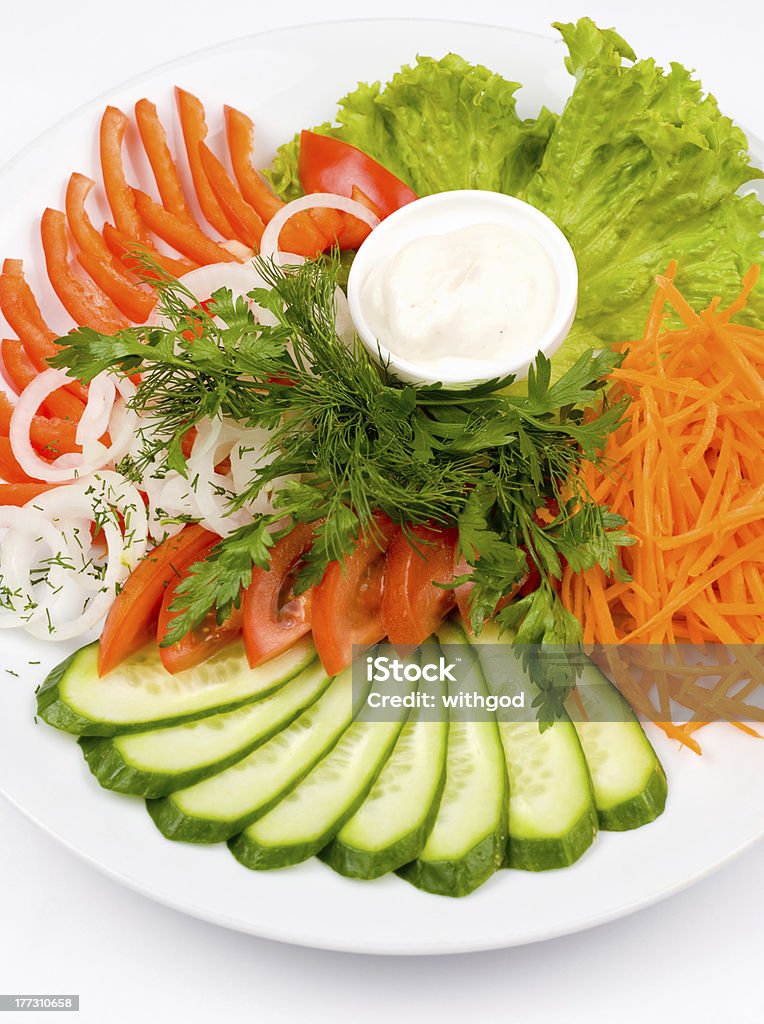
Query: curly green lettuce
{"type": "Point", "coordinates": [642, 168]}
{"type": "Point", "coordinates": [439, 125]}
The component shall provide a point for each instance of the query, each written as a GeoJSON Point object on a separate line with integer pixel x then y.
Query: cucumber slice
{"type": "Point", "coordinates": [219, 807]}
{"type": "Point", "coordinates": [307, 818]}
{"type": "Point", "coordinates": [630, 787]}
{"type": "Point", "coordinates": [140, 694]}
{"type": "Point", "coordinates": [391, 826]}
{"type": "Point", "coordinates": [469, 834]}
{"type": "Point", "coordinates": [552, 816]}
{"type": "Point", "coordinates": [153, 764]}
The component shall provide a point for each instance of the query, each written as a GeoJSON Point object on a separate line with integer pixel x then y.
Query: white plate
{"type": "Point", "coordinates": [287, 80]}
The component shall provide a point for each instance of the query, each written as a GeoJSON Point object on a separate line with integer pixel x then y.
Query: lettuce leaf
{"type": "Point", "coordinates": [642, 168]}
{"type": "Point", "coordinates": [441, 124]}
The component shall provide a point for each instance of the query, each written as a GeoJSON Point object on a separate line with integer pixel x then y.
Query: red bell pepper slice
{"type": "Point", "coordinates": [19, 371]}
{"type": "Point", "coordinates": [194, 127]}
{"type": "Point", "coordinates": [247, 225]}
{"type": "Point", "coordinates": [20, 494]}
{"type": "Point", "coordinates": [50, 437]}
{"type": "Point", "coordinates": [136, 301]}
{"type": "Point", "coordinates": [302, 234]}
{"type": "Point", "coordinates": [80, 225]}
{"type": "Point", "coordinates": [23, 314]}
{"type": "Point", "coordinates": [185, 237]}
{"type": "Point", "coordinates": [123, 247]}
{"type": "Point", "coordinates": [113, 126]}
{"type": "Point", "coordinates": [154, 139]}
{"type": "Point", "coordinates": [83, 300]}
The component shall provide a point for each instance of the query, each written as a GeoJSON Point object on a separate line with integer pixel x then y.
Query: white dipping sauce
{"type": "Point", "coordinates": [466, 296]}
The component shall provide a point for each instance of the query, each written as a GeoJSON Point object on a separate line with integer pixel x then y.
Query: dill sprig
{"type": "Point", "coordinates": [360, 440]}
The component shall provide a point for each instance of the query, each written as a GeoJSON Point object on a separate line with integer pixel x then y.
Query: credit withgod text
{"type": "Point", "coordinates": [452, 701]}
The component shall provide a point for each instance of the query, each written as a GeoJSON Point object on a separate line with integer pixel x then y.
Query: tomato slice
{"type": "Point", "coordinates": [200, 643]}
{"type": "Point", "coordinates": [347, 603]}
{"type": "Point", "coordinates": [330, 165]}
{"type": "Point", "coordinates": [274, 617]}
{"type": "Point", "coordinates": [131, 619]}
{"type": "Point", "coordinates": [413, 606]}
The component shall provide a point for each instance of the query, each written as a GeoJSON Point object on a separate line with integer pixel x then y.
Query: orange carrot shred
{"type": "Point", "coordinates": [685, 469]}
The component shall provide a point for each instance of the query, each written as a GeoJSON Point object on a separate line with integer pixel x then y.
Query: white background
{"type": "Point", "coordinates": [64, 928]}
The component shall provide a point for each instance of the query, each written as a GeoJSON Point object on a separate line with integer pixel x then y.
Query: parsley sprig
{"type": "Point", "coordinates": [361, 440]}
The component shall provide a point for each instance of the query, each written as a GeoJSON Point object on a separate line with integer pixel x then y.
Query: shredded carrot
{"type": "Point", "coordinates": [685, 470]}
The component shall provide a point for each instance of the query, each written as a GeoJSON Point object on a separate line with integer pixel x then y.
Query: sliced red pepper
{"type": "Point", "coordinates": [23, 314]}
{"type": "Point", "coordinates": [413, 606]}
{"type": "Point", "coordinates": [186, 238]}
{"type": "Point", "coordinates": [51, 437]}
{"type": "Point", "coordinates": [247, 225]}
{"type": "Point", "coordinates": [330, 165]}
{"type": "Point", "coordinates": [132, 618]}
{"type": "Point", "coordinates": [112, 132]}
{"type": "Point", "coordinates": [301, 234]}
{"type": "Point", "coordinates": [274, 617]}
{"type": "Point", "coordinates": [19, 371]}
{"type": "Point", "coordinates": [136, 301]}
{"type": "Point", "coordinates": [84, 301]}
{"type": "Point", "coordinates": [20, 494]}
{"type": "Point", "coordinates": [154, 139]}
{"type": "Point", "coordinates": [123, 247]}
{"type": "Point", "coordinates": [194, 126]}
{"type": "Point", "coordinates": [80, 225]}
{"type": "Point", "coordinates": [10, 470]}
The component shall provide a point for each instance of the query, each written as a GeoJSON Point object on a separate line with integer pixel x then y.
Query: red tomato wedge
{"type": "Point", "coordinates": [209, 637]}
{"type": "Point", "coordinates": [274, 617]}
{"type": "Point", "coordinates": [131, 620]}
{"type": "Point", "coordinates": [529, 582]}
{"type": "Point", "coordinates": [412, 605]}
{"type": "Point", "coordinates": [330, 165]}
{"type": "Point", "coordinates": [347, 603]}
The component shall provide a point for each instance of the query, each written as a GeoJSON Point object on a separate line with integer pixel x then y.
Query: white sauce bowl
{"type": "Point", "coordinates": [441, 214]}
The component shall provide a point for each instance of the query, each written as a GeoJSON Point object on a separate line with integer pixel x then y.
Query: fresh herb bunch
{"type": "Point", "coordinates": [361, 440]}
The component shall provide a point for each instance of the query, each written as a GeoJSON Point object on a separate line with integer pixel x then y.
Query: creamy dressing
{"type": "Point", "coordinates": [463, 299]}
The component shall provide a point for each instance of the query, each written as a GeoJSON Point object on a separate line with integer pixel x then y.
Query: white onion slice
{"type": "Point", "coordinates": [95, 499]}
{"type": "Point", "coordinates": [95, 418]}
{"type": "Point", "coordinates": [25, 529]}
{"type": "Point", "coordinates": [94, 455]}
{"type": "Point", "coordinates": [269, 244]}
{"type": "Point", "coordinates": [241, 278]}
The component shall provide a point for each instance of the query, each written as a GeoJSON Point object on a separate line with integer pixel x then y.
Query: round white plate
{"type": "Point", "coordinates": [288, 80]}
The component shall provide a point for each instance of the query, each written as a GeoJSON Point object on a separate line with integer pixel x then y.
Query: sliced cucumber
{"type": "Point", "coordinates": [308, 817]}
{"type": "Point", "coordinates": [155, 763]}
{"type": "Point", "coordinates": [469, 834]}
{"type": "Point", "coordinates": [391, 826]}
{"type": "Point", "coordinates": [140, 694]}
{"type": "Point", "coordinates": [552, 816]}
{"type": "Point", "coordinates": [219, 807]}
{"type": "Point", "coordinates": [630, 786]}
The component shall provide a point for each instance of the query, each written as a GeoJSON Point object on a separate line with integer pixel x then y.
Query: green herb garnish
{"type": "Point", "coordinates": [360, 440]}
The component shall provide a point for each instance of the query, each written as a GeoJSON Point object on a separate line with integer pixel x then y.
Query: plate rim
{"type": "Point", "coordinates": [453, 946]}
